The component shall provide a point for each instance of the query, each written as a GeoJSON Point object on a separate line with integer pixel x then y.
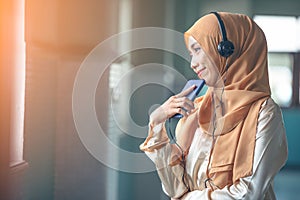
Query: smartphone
{"type": "Point", "coordinates": [199, 85]}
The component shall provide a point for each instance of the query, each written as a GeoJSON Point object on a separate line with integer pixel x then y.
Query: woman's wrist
{"type": "Point", "coordinates": [157, 117]}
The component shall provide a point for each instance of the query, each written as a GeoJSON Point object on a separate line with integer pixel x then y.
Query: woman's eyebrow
{"type": "Point", "coordinates": [193, 45]}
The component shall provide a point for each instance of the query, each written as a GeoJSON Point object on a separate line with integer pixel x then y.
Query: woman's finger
{"type": "Point", "coordinates": [186, 92]}
{"type": "Point", "coordinates": [186, 105]}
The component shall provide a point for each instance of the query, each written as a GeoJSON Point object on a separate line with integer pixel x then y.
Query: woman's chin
{"type": "Point", "coordinates": [201, 77]}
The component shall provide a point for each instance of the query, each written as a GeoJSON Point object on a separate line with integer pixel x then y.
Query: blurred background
{"type": "Point", "coordinates": [43, 44]}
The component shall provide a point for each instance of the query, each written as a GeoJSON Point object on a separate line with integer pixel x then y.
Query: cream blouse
{"type": "Point", "coordinates": [269, 156]}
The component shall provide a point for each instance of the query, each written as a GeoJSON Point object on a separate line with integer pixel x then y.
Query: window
{"type": "Point", "coordinates": [281, 32]}
{"type": "Point", "coordinates": [283, 56]}
{"type": "Point", "coordinates": [17, 86]}
{"type": "Point", "coordinates": [280, 75]}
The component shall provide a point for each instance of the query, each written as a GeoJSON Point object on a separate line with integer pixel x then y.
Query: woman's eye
{"type": "Point", "coordinates": [197, 49]}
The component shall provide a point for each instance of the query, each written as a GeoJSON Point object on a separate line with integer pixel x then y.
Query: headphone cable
{"type": "Point", "coordinates": [183, 161]}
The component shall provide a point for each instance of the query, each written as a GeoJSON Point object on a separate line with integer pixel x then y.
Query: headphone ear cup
{"type": "Point", "coordinates": [225, 48]}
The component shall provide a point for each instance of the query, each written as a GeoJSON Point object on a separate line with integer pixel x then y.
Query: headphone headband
{"type": "Point", "coordinates": [221, 25]}
{"type": "Point", "coordinates": [225, 47]}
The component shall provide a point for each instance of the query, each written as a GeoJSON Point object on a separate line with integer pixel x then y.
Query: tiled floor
{"type": "Point", "coordinates": [287, 185]}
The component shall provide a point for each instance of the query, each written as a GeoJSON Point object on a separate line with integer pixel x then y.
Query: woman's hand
{"type": "Point", "coordinates": [175, 104]}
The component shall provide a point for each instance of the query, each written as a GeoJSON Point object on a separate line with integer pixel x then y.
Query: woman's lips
{"type": "Point", "coordinates": [199, 72]}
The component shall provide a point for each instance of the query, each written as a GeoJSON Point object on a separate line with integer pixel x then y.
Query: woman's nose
{"type": "Point", "coordinates": [194, 65]}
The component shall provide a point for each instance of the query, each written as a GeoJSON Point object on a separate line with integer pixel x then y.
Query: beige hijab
{"type": "Point", "coordinates": [246, 88]}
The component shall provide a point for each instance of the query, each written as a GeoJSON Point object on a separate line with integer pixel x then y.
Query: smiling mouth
{"type": "Point", "coordinates": [199, 72]}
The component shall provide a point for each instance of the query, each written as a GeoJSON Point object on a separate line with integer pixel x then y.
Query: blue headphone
{"type": "Point", "coordinates": [225, 47]}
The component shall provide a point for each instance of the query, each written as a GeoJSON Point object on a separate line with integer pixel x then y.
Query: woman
{"type": "Point", "coordinates": [231, 142]}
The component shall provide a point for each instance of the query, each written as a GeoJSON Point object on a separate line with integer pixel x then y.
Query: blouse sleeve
{"type": "Point", "coordinates": [157, 147]}
{"type": "Point", "coordinates": [156, 139]}
{"type": "Point", "coordinates": [269, 156]}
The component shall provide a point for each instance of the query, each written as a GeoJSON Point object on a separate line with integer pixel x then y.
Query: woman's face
{"type": "Point", "coordinates": [201, 64]}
